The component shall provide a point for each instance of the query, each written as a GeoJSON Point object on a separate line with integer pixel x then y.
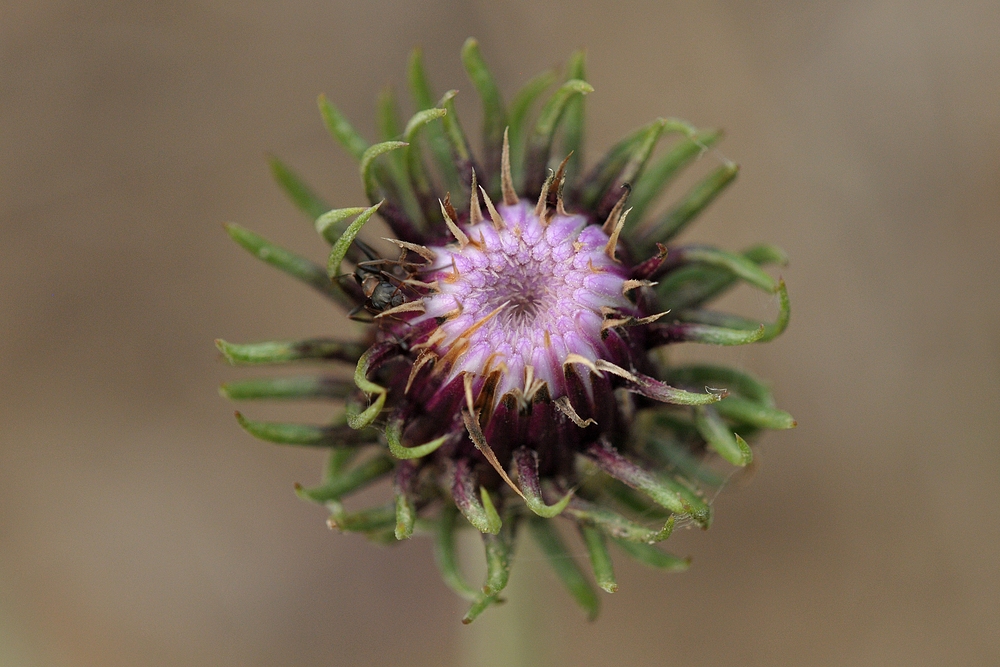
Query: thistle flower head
{"type": "Point", "coordinates": [522, 293]}
{"type": "Point", "coordinates": [514, 370]}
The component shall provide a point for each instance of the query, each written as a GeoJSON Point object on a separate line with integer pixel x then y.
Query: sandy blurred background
{"type": "Point", "coordinates": [140, 526]}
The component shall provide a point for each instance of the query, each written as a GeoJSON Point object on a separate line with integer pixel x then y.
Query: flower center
{"type": "Point", "coordinates": [521, 299]}
{"type": "Point", "coordinates": [521, 291]}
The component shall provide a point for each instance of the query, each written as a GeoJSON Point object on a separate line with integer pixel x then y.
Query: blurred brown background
{"type": "Point", "coordinates": [140, 526]}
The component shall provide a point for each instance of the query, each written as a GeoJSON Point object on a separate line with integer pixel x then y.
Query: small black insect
{"type": "Point", "coordinates": [382, 289]}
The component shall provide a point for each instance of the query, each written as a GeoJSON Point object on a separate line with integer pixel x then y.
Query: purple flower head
{"type": "Point", "coordinates": [523, 292]}
{"type": "Point", "coordinates": [514, 370]}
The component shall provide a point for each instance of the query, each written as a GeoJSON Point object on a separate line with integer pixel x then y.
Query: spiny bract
{"type": "Point", "coordinates": [515, 370]}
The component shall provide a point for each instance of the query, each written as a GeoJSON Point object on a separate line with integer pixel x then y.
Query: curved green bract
{"type": "Point", "coordinates": [650, 555]}
{"type": "Point", "coordinates": [637, 160]}
{"type": "Point", "coordinates": [338, 459]}
{"type": "Point", "coordinates": [610, 164]}
{"type": "Point", "coordinates": [286, 388]}
{"type": "Point", "coordinates": [424, 98]}
{"type": "Point", "coordinates": [304, 198]}
{"type": "Point", "coordinates": [366, 417]}
{"type": "Point", "coordinates": [765, 253]}
{"type": "Point", "coordinates": [494, 114]}
{"type": "Point", "coordinates": [373, 521]}
{"type": "Point", "coordinates": [406, 514]}
{"type": "Point", "coordinates": [453, 130]}
{"type": "Point", "coordinates": [517, 117]}
{"type": "Point", "coordinates": [310, 435]}
{"type": "Point", "coordinates": [722, 376]}
{"type": "Point", "coordinates": [339, 250]}
{"type": "Point", "coordinates": [664, 491]}
{"type": "Point", "coordinates": [772, 331]}
{"type": "Point", "coordinates": [498, 550]}
{"type": "Point", "coordinates": [287, 261]}
{"type": "Point", "coordinates": [655, 178]}
{"type": "Point", "coordinates": [347, 481]}
{"type": "Point", "coordinates": [716, 335]}
{"type": "Point", "coordinates": [480, 512]}
{"type": "Point", "coordinates": [750, 412]}
{"type": "Point", "coordinates": [537, 505]}
{"type": "Point", "coordinates": [331, 224]}
{"type": "Point", "coordinates": [713, 327]}
{"type": "Point", "coordinates": [526, 462]}
{"type": "Point", "coordinates": [279, 352]}
{"type": "Point", "coordinates": [704, 326]}
{"type": "Point", "coordinates": [739, 266]}
{"type": "Point", "coordinates": [652, 388]}
{"type": "Point", "coordinates": [692, 285]}
{"type": "Point", "coordinates": [632, 500]}
{"type": "Point", "coordinates": [492, 521]}
{"type": "Point", "coordinates": [393, 436]}
{"type": "Point", "coordinates": [340, 128]}
{"type": "Point", "coordinates": [665, 448]}
{"type": "Point", "coordinates": [549, 116]}
{"type": "Point", "coordinates": [720, 438]}
{"type": "Point", "coordinates": [417, 122]}
{"type": "Point", "coordinates": [367, 161]}
{"type": "Point", "coordinates": [481, 77]}
{"type": "Point", "coordinates": [600, 559]}
{"type": "Point", "coordinates": [694, 503]}
{"type": "Point", "coordinates": [616, 525]}
{"type": "Point", "coordinates": [395, 174]}
{"type": "Point", "coordinates": [565, 567]}
{"type": "Point", "coordinates": [627, 163]}
{"type": "Point", "coordinates": [388, 115]}
{"type": "Point", "coordinates": [624, 157]}
{"type": "Point", "coordinates": [696, 201]}
{"type": "Point", "coordinates": [573, 118]}
{"type": "Point", "coordinates": [446, 557]}
{"type": "Point", "coordinates": [540, 142]}
{"type": "Point", "coordinates": [414, 162]}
